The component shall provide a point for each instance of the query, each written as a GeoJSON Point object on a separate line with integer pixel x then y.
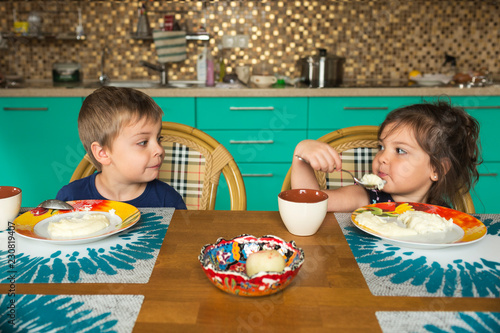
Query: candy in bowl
{"type": "Point", "coordinates": [224, 263]}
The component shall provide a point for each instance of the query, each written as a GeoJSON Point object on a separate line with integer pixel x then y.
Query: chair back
{"type": "Point", "coordinates": [357, 147]}
{"type": "Point", "coordinates": [192, 166]}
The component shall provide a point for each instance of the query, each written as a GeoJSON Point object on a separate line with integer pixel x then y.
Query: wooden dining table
{"type": "Point", "coordinates": [329, 293]}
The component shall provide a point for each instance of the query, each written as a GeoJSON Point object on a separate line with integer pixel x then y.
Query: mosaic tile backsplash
{"type": "Point", "coordinates": [380, 39]}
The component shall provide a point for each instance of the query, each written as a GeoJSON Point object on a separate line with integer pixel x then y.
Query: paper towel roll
{"type": "Point", "coordinates": [170, 45]}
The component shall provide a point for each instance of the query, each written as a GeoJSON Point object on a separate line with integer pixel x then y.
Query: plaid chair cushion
{"type": "Point", "coordinates": [184, 169]}
{"type": "Point", "coordinates": [358, 161]}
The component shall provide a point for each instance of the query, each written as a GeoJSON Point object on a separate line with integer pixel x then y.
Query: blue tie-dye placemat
{"type": "Point", "coordinates": [127, 257]}
{"type": "Point", "coordinates": [438, 321]}
{"type": "Point", "coordinates": [69, 313]}
{"type": "Point", "coordinates": [471, 270]}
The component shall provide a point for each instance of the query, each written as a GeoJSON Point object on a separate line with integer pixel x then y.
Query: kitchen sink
{"type": "Point", "coordinates": [145, 84]}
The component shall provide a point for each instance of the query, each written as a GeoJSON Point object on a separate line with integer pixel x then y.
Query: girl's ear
{"type": "Point", "coordinates": [100, 153]}
{"type": "Point", "coordinates": [446, 164]}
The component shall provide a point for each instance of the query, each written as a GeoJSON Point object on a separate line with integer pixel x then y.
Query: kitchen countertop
{"type": "Point", "coordinates": [46, 89]}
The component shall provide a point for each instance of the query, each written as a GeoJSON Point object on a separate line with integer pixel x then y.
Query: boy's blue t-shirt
{"type": "Point", "coordinates": [156, 194]}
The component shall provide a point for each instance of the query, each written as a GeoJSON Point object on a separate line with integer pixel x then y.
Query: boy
{"type": "Point", "coordinates": [120, 128]}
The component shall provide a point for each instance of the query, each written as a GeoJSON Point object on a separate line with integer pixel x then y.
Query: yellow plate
{"type": "Point", "coordinates": [468, 228]}
{"type": "Point", "coordinates": [31, 223]}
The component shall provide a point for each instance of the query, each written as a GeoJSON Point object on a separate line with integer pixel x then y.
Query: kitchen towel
{"type": "Point", "coordinates": [126, 257]}
{"type": "Point", "coordinates": [471, 270]}
{"type": "Point", "coordinates": [170, 45]}
{"type": "Point", "coordinates": [69, 313]}
{"type": "Point", "coordinates": [438, 321]}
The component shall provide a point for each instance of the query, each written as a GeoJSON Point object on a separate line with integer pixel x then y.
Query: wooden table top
{"type": "Point", "coordinates": [329, 293]}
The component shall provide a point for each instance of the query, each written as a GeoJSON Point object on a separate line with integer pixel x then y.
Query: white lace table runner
{"type": "Point", "coordinates": [126, 257]}
{"type": "Point", "coordinates": [471, 270]}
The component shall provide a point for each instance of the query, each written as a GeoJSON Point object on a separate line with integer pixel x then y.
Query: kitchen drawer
{"type": "Point", "coordinates": [485, 194]}
{"type": "Point", "coordinates": [178, 109]}
{"type": "Point", "coordinates": [333, 113]}
{"type": "Point", "coordinates": [486, 109]}
{"type": "Point", "coordinates": [39, 144]}
{"type": "Point", "coordinates": [263, 183]}
{"type": "Point", "coordinates": [263, 145]}
{"type": "Point", "coordinates": [274, 114]}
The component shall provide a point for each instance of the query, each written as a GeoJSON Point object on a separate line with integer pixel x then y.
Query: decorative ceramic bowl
{"type": "Point", "coordinates": [224, 264]}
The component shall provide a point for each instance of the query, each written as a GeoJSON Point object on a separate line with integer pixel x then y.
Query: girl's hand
{"type": "Point", "coordinates": [320, 155]}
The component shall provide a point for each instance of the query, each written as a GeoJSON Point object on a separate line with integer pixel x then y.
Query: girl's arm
{"type": "Point", "coordinates": [322, 157]}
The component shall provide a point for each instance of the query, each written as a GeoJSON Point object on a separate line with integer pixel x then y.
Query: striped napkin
{"type": "Point", "coordinates": [170, 45]}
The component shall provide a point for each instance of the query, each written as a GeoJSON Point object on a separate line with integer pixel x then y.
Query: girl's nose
{"type": "Point", "coordinates": [382, 157]}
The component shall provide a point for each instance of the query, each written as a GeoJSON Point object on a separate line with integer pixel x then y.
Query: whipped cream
{"type": "Point", "coordinates": [371, 179]}
{"type": "Point", "coordinates": [413, 223]}
{"type": "Point", "coordinates": [78, 226]}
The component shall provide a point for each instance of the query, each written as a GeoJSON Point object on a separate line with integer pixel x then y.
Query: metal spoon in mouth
{"type": "Point", "coordinates": [356, 180]}
{"type": "Point", "coordinates": [55, 204]}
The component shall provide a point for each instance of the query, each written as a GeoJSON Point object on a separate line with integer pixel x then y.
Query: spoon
{"type": "Point", "coordinates": [55, 204]}
{"type": "Point", "coordinates": [356, 180]}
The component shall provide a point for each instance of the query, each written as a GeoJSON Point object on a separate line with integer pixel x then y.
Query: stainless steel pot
{"type": "Point", "coordinates": [322, 70]}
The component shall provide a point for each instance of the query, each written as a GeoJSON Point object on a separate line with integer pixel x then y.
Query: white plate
{"type": "Point", "coordinates": [34, 223]}
{"type": "Point", "coordinates": [466, 229]}
{"type": "Point", "coordinates": [428, 241]}
{"type": "Point", "coordinates": [41, 228]}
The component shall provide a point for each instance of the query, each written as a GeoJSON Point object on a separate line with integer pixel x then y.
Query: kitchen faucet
{"type": "Point", "coordinates": [103, 78]}
{"type": "Point", "coordinates": [162, 68]}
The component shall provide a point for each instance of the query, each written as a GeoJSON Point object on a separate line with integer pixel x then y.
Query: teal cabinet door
{"type": "Point", "coordinates": [486, 110]}
{"type": "Point", "coordinates": [485, 194]}
{"type": "Point", "coordinates": [178, 109]}
{"type": "Point", "coordinates": [253, 146]}
{"type": "Point", "coordinates": [333, 113]}
{"type": "Point", "coordinates": [263, 183]}
{"type": "Point", "coordinates": [273, 114]}
{"type": "Point", "coordinates": [39, 145]}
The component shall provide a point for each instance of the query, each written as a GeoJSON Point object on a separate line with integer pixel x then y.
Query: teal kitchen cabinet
{"type": "Point", "coordinates": [261, 134]}
{"type": "Point", "coordinates": [327, 114]}
{"type": "Point", "coordinates": [178, 109]}
{"type": "Point", "coordinates": [485, 194]}
{"type": "Point", "coordinates": [39, 144]}
{"type": "Point", "coordinates": [486, 109]}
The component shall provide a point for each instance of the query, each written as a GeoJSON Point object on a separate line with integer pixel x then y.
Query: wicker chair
{"type": "Point", "coordinates": [357, 147]}
{"type": "Point", "coordinates": [192, 165]}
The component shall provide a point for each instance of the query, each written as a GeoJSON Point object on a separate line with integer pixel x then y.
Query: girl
{"type": "Point", "coordinates": [428, 153]}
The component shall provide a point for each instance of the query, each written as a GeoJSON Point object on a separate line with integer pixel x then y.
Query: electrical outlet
{"type": "Point", "coordinates": [230, 42]}
{"type": "Point", "coordinates": [242, 41]}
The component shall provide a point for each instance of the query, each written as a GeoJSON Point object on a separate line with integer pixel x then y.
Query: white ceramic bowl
{"type": "Point", "coordinates": [302, 210]}
{"type": "Point", "coordinates": [10, 204]}
{"type": "Point", "coordinates": [263, 81]}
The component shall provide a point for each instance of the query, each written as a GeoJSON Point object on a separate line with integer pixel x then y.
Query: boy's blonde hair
{"type": "Point", "coordinates": [107, 110]}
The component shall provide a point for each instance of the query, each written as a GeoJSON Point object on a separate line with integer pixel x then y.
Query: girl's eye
{"type": "Point", "coordinates": [400, 151]}
{"type": "Point", "coordinates": [380, 147]}
{"type": "Point", "coordinates": [143, 143]}
{"type": "Point", "coordinates": [160, 139]}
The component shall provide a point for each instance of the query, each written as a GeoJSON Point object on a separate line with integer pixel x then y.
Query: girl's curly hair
{"type": "Point", "coordinates": [450, 136]}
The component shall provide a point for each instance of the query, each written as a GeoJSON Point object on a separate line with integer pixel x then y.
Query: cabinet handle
{"type": "Point", "coordinates": [25, 109]}
{"type": "Point", "coordinates": [249, 108]}
{"type": "Point", "coordinates": [488, 174]}
{"type": "Point", "coordinates": [250, 141]}
{"type": "Point", "coordinates": [366, 108]}
{"type": "Point", "coordinates": [256, 174]}
{"type": "Point", "coordinates": [481, 107]}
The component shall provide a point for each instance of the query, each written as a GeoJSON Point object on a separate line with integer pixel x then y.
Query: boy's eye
{"type": "Point", "coordinates": [160, 139]}
{"type": "Point", "coordinates": [380, 147]}
{"type": "Point", "coordinates": [143, 143]}
{"type": "Point", "coordinates": [400, 151]}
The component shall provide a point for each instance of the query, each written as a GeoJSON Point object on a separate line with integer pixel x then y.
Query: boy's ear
{"type": "Point", "coordinates": [100, 153]}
